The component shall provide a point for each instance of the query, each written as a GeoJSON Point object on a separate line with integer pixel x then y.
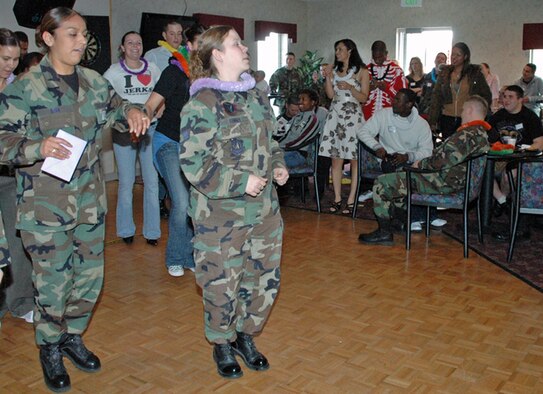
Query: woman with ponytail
{"type": "Point", "coordinates": [231, 161]}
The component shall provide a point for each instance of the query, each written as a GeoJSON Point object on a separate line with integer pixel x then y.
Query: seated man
{"type": "Point", "coordinates": [261, 83]}
{"type": "Point", "coordinates": [517, 121]}
{"type": "Point", "coordinates": [390, 190]}
{"type": "Point", "coordinates": [302, 129]}
{"type": "Point", "coordinates": [403, 138]}
{"type": "Point", "coordinates": [291, 110]}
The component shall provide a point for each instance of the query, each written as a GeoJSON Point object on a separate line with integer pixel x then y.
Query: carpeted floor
{"type": "Point", "coordinates": [525, 265]}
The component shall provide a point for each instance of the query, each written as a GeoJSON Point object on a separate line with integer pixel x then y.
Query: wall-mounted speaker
{"type": "Point", "coordinates": [29, 13]}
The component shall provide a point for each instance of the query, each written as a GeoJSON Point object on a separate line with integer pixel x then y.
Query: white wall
{"type": "Point", "coordinates": [126, 15]}
{"type": "Point", "coordinates": [491, 28]}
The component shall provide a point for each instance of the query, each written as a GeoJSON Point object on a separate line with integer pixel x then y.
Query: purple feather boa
{"type": "Point", "coordinates": [247, 82]}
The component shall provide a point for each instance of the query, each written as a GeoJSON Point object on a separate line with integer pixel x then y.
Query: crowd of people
{"type": "Point", "coordinates": [406, 116]}
{"type": "Point", "coordinates": [202, 126]}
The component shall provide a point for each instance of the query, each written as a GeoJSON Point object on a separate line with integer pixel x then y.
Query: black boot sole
{"type": "Point", "coordinates": [231, 376]}
{"type": "Point", "coordinates": [79, 366]}
{"type": "Point", "coordinates": [383, 243]}
{"type": "Point", "coordinates": [248, 364]}
{"type": "Point", "coordinates": [54, 389]}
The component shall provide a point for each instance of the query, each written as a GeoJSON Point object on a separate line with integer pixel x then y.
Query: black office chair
{"type": "Point", "coordinates": [475, 169]}
{"type": "Point", "coordinates": [309, 169]}
{"type": "Point", "coordinates": [368, 168]}
{"type": "Point", "coordinates": [527, 196]}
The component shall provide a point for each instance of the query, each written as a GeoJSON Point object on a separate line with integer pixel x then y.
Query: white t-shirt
{"type": "Point", "coordinates": [135, 88]}
{"type": "Point", "coordinates": [159, 56]}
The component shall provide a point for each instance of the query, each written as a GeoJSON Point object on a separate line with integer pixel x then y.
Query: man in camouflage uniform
{"type": "Point", "coordinates": [227, 145]}
{"type": "Point", "coordinates": [390, 190]}
{"type": "Point", "coordinates": [61, 223]}
{"type": "Point", "coordinates": [286, 81]}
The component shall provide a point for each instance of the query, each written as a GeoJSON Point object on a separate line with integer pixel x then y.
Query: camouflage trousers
{"type": "Point", "coordinates": [68, 272]}
{"type": "Point", "coordinates": [390, 191]}
{"type": "Point", "coordinates": [238, 271]}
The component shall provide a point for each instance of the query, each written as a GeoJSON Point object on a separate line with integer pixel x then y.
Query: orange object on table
{"type": "Point", "coordinates": [499, 146]}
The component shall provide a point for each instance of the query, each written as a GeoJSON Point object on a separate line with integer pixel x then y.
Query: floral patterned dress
{"type": "Point", "coordinates": [344, 119]}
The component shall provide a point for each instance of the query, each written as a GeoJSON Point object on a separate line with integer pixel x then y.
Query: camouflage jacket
{"type": "Point", "coordinates": [225, 136]}
{"type": "Point", "coordinates": [36, 107]}
{"type": "Point", "coordinates": [470, 139]}
{"type": "Point", "coordinates": [286, 82]}
{"type": "Point", "coordinates": [4, 249]}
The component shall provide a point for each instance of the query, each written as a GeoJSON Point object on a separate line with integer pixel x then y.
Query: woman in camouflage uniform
{"type": "Point", "coordinates": [230, 159]}
{"type": "Point", "coordinates": [62, 223]}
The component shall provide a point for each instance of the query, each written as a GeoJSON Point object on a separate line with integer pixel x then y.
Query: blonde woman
{"type": "Point", "coordinates": [231, 161]}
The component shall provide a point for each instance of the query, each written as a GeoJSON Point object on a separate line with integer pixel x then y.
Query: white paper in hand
{"type": "Point", "coordinates": [64, 169]}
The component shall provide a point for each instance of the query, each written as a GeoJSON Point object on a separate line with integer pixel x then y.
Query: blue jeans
{"type": "Point", "coordinates": [179, 248]}
{"type": "Point", "coordinates": [294, 159]}
{"type": "Point", "coordinates": [126, 165]}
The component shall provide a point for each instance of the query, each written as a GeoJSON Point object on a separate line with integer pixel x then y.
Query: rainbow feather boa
{"type": "Point", "coordinates": [182, 55]}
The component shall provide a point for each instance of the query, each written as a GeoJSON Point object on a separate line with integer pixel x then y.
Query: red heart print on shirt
{"type": "Point", "coordinates": [144, 79]}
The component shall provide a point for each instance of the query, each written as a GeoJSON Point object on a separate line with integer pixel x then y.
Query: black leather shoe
{"type": "Point", "coordinates": [227, 366]}
{"type": "Point", "coordinates": [378, 237]}
{"type": "Point", "coordinates": [128, 240]}
{"type": "Point", "coordinates": [164, 211]}
{"type": "Point", "coordinates": [397, 227]}
{"type": "Point", "coordinates": [500, 209]}
{"type": "Point", "coordinates": [54, 373]}
{"type": "Point", "coordinates": [246, 348]}
{"type": "Point", "coordinates": [73, 348]}
{"type": "Point", "coordinates": [503, 236]}
{"type": "Point", "coordinates": [152, 242]}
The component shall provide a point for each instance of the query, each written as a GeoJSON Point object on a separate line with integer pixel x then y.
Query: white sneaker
{"type": "Point", "coordinates": [365, 196]}
{"type": "Point", "coordinates": [191, 269]}
{"type": "Point", "coordinates": [176, 270]}
{"type": "Point", "coordinates": [28, 317]}
{"type": "Point", "coordinates": [438, 222]}
{"type": "Point", "coordinates": [416, 226]}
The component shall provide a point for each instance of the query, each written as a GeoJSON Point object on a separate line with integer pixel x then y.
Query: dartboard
{"type": "Point", "coordinates": [93, 49]}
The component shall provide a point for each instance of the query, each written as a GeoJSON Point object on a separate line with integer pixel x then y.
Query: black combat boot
{"type": "Point", "coordinates": [72, 347]}
{"type": "Point", "coordinates": [399, 219]}
{"type": "Point", "coordinates": [381, 236]}
{"type": "Point", "coordinates": [246, 348]}
{"type": "Point", "coordinates": [227, 366]}
{"type": "Point", "coordinates": [54, 373]}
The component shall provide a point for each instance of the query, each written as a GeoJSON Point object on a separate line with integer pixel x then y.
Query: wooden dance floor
{"type": "Point", "coordinates": [349, 319]}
